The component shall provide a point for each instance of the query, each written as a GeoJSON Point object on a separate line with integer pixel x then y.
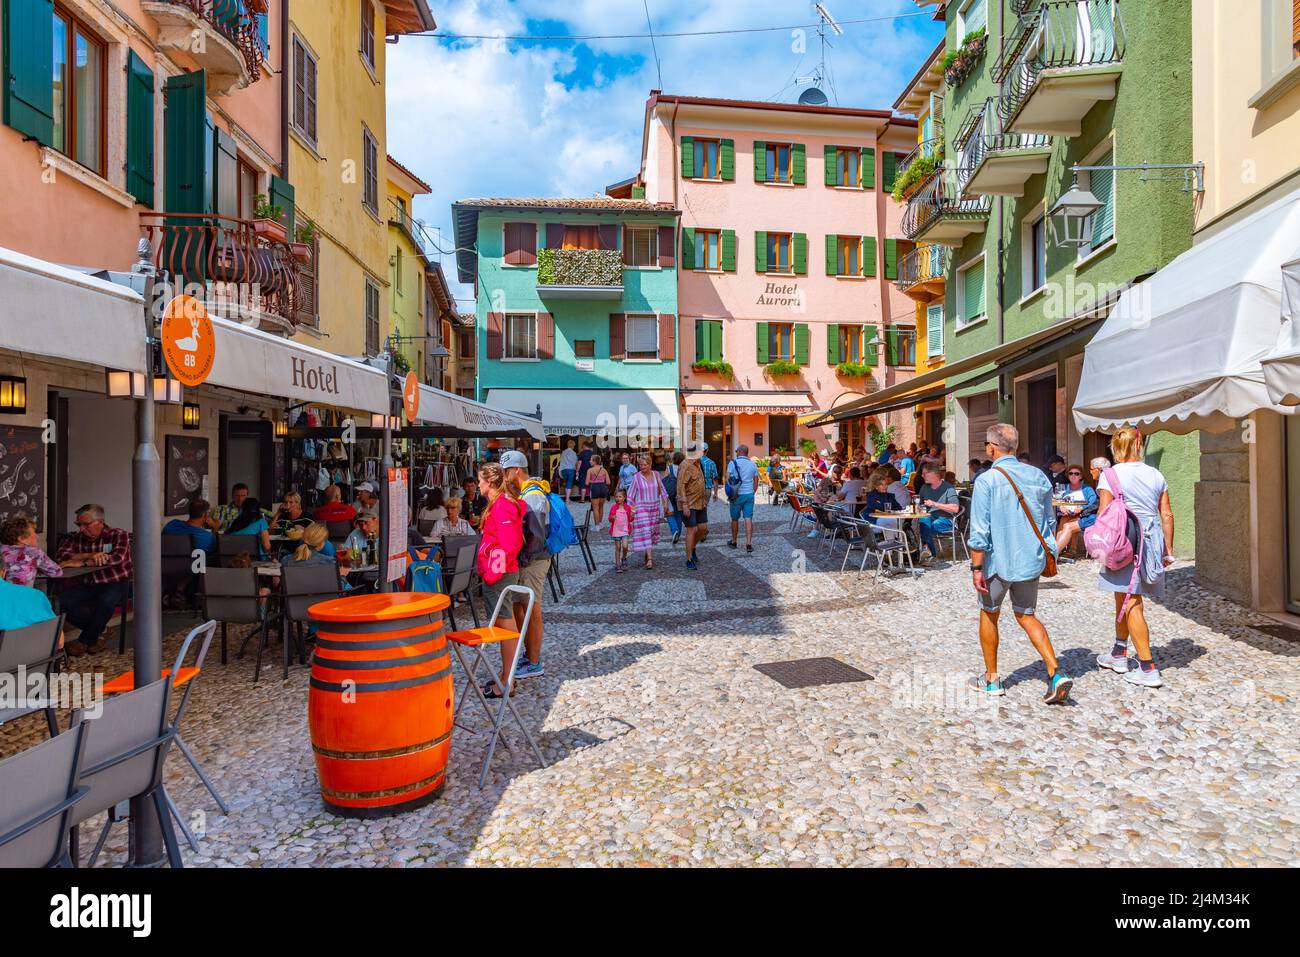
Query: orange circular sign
{"type": "Point", "coordinates": [187, 341]}
{"type": "Point", "coordinates": [411, 397]}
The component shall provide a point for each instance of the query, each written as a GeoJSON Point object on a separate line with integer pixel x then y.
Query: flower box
{"type": "Point", "coordinates": [270, 229]}
{"type": "Point", "coordinates": [301, 252]}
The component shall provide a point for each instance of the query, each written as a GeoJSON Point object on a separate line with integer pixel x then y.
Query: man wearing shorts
{"type": "Point", "coordinates": [533, 575]}
{"type": "Point", "coordinates": [1006, 556]}
{"type": "Point", "coordinates": [742, 473]}
{"type": "Point", "coordinates": [693, 501]}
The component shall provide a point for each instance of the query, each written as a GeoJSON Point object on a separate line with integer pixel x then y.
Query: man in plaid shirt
{"type": "Point", "coordinates": [90, 602]}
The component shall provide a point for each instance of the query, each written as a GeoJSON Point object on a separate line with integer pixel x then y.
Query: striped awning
{"type": "Point", "coordinates": [747, 403]}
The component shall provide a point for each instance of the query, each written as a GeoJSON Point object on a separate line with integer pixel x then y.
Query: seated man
{"type": "Point", "coordinates": [367, 500]}
{"type": "Point", "coordinates": [90, 602]}
{"type": "Point", "coordinates": [21, 606]}
{"type": "Point", "coordinates": [334, 509]}
{"type": "Point", "coordinates": [227, 513]}
{"type": "Point", "coordinates": [364, 535]}
{"type": "Point", "coordinates": [941, 498]}
{"type": "Point", "coordinates": [199, 529]}
{"type": "Point", "coordinates": [852, 490]}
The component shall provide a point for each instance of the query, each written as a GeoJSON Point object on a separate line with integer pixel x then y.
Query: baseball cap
{"type": "Point", "coordinates": [514, 459]}
{"type": "Point", "coordinates": [365, 487]}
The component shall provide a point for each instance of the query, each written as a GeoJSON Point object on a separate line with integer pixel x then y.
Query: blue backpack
{"type": "Point", "coordinates": [562, 532]}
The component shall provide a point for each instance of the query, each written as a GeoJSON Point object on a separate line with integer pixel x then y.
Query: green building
{"type": "Point", "coordinates": [1035, 87]}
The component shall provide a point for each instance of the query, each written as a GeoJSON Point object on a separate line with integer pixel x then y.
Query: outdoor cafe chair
{"type": "Point", "coordinates": [424, 526]}
{"type": "Point", "coordinates": [827, 516]}
{"type": "Point", "coordinates": [41, 788]}
{"type": "Point", "coordinates": [301, 586]}
{"type": "Point", "coordinates": [584, 546]}
{"type": "Point", "coordinates": [800, 506]}
{"type": "Point", "coordinates": [35, 649]}
{"type": "Point", "coordinates": [230, 597]}
{"type": "Point", "coordinates": [338, 531]}
{"type": "Point", "coordinates": [184, 678]}
{"type": "Point", "coordinates": [474, 639]}
{"type": "Point", "coordinates": [125, 749]}
{"type": "Point", "coordinates": [232, 546]}
{"type": "Point", "coordinates": [875, 541]}
{"type": "Point", "coordinates": [458, 554]}
{"type": "Point", "coordinates": [177, 566]}
{"type": "Point", "coordinates": [553, 576]}
{"type": "Point", "coordinates": [956, 534]}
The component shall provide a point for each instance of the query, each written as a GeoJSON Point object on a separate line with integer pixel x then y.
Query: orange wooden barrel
{"type": "Point", "coordinates": [380, 704]}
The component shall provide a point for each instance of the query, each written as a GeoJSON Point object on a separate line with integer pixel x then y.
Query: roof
{"type": "Point", "coordinates": [423, 186]}
{"type": "Point", "coordinates": [441, 292]}
{"type": "Point", "coordinates": [408, 16]}
{"type": "Point", "coordinates": [929, 65]}
{"type": "Point", "coordinates": [657, 98]}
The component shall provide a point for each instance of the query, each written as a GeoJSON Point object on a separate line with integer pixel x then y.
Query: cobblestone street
{"type": "Point", "coordinates": [666, 746]}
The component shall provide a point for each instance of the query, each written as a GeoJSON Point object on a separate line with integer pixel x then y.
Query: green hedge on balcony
{"type": "Point", "coordinates": [579, 267]}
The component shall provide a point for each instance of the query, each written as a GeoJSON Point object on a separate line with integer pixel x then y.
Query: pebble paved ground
{"type": "Point", "coordinates": [667, 747]}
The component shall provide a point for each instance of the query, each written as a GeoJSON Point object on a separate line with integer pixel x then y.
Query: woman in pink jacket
{"type": "Point", "coordinates": [498, 555]}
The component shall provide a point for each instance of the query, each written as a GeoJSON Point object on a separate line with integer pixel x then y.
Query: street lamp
{"type": "Point", "coordinates": [13, 394]}
{"type": "Point", "coordinates": [125, 385]}
{"type": "Point", "coordinates": [1071, 216]}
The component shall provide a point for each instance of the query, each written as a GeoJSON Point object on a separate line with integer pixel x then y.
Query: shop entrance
{"type": "Point", "coordinates": [1040, 438]}
{"type": "Point", "coordinates": [246, 456]}
{"type": "Point", "coordinates": [717, 433]}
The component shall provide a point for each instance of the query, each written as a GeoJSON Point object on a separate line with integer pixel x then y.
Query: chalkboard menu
{"type": "Point", "coordinates": [22, 474]}
{"type": "Point", "coordinates": [187, 472]}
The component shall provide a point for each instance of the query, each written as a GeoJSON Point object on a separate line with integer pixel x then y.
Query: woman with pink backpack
{"type": "Point", "coordinates": [1139, 488]}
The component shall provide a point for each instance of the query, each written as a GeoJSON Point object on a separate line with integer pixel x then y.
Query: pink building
{"type": "Point", "coordinates": [789, 247]}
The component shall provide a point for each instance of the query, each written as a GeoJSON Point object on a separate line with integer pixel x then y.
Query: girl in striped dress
{"type": "Point", "coordinates": [649, 501]}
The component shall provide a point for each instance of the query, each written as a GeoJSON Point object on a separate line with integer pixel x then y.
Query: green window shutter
{"type": "Point", "coordinates": [28, 68]}
{"type": "Point", "coordinates": [891, 346]}
{"type": "Point", "coordinates": [799, 163]}
{"type": "Point", "coordinates": [888, 161]}
{"type": "Point", "coordinates": [638, 192]}
{"type": "Point", "coordinates": [934, 330]}
{"type": "Point", "coordinates": [801, 343]}
{"type": "Point", "coordinates": [868, 169]}
{"type": "Point", "coordinates": [832, 165]}
{"type": "Point", "coordinates": [832, 255]}
{"type": "Point", "coordinates": [688, 157]}
{"type": "Point", "coordinates": [687, 260]}
{"type": "Point", "coordinates": [800, 254]}
{"type": "Point", "coordinates": [760, 252]}
{"type": "Point", "coordinates": [727, 160]}
{"type": "Point", "coordinates": [1102, 185]}
{"type": "Point", "coordinates": [728, 253]}
{"type": "Point", "coordinates": [760, 161]}
{"type": "Point", "coordinates": [868, 255]}
{"type": "Point", "coordinates": [702, 340]}
{"type": "Point", "coordinates": [973, 293]}
{"type": "Point", "coordinates": [282, 196]}
{"type": "Point", "coordinates": [185, 154]}
{"type": "Point", "coordinates": [891, 258]}
{"type": "Point", "coordinates": [715, 340]}
{"type": "Point", "coordinates": [833, 345]}
{"type": "Point", "coordinates": [871, 348]}
{"type": "Point", "coordinates": [139, 130]}
{"type": "Point", "coordinates": [225, 175]}
{"type": "Point", "coordinates": [761, 335]}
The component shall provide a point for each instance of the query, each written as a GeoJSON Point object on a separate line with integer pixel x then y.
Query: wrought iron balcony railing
{"type": "Point", "coordinates": [243, 271]}
{"type": "Point", "coordinates": [926, 263]}
{"type": "Point", "coordinates": [985, 137]}
{"type": "Point", "coordinates": [931, 147]}
{"type": "Point", "coordinates": [235, 21]}
{"type": "Point", "coordinates": [414, 230]}
{"type": "Point", "coordinates": [940, 198]}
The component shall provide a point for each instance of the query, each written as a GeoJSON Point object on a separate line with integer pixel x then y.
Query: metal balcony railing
{"type": "Point", "coordinates": [1021, 7]}
{"type": "Point", "coordinates": [233, 20]}
{"type": "Point", "coordinates": [926, 263]}
{"type": "Point", "coordinates": [940, 197]}
{"type": "Point", "coordinates": [240, 268]}
{"type": "Point", "coordinates": [985, 137]}
{"type": "Point", "coordinates": [930, 147]}
{"type": "Point", "coordinates": [1057, 35]}
{"type": "Point", "coordinates": [414, 229]}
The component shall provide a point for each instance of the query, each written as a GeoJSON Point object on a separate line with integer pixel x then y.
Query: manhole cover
{"type": "Point", "coordinates": [1284, 632]}
{"type": "Point", "coordinates": [810, 672]}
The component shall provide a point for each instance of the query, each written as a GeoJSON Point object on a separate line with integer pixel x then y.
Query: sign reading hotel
{"type": "Point", "coordinates": [316, 378]}
{"type": "Point", "coordinates": [188, 345]}
{"type": "Point", "coordinates": [780, 294]}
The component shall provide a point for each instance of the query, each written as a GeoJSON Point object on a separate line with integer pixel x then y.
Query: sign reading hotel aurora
{"type": "Point", "coordinates": [780, 294]}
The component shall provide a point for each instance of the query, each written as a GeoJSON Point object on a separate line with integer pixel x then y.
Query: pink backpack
{"type": "Point", "coordinates": [1107, 539]}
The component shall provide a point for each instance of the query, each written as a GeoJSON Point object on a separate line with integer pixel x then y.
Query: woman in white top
{"type": "Point", "coordinates": [1146, 493]}
{"type": "Point", "coordinates": [451, 523]}
{"type": "Point", "coordinates": [433, 508]}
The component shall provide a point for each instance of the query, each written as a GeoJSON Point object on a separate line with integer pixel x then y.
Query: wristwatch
{"type": "Point", "coordinates": [977, 568]}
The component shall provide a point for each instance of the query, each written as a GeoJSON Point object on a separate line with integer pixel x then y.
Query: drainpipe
{"type": "Point", "coordinates": [284, 90]}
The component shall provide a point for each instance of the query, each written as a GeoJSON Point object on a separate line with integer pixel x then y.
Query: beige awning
{"type": "Point", "coordinates": [467, 418]}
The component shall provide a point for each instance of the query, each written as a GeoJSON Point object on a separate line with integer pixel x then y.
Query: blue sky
{"type": "Point", "coordinates": [547, 118]}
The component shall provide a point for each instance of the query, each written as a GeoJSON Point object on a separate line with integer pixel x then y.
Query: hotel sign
{"type": "Point", "coordinates": [780, 294]}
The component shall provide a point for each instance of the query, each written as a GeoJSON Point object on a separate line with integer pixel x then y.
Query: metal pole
{"type": "Point", "coordinates": [385, 533]}
{"type": "Point", "coordinates": [146, 515]}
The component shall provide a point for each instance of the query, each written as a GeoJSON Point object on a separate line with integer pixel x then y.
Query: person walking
{"type": "Point", "coordinates": [626, 472]}
{"type": "Point", "coordinates": [620, 528]}
{"type": "Point", "coordinates": [569, 468]}
{"type": "Point", "coordinates": [497, 561]}
{"type": "Point", "coordinates": [670, 486]}
{"type": "Point", "coordinates": [710, 470]}
{"type": "Point", "coordinates": [1146, 493]}
{"type": "Point", "coordinates": [693, 501]}
{"type": "Point", "coordinates": [649, 501]}
{"type": "Point", "coordinates": [584, 465]}
{"type": "Point", "coordinates": [742, 474]}
{"type": "Point", "coordinates": [598, 489]}
{"type": "Point", "coordinates": [1011, 541]}
{"type": "Point", "coordinates": [533, 493]}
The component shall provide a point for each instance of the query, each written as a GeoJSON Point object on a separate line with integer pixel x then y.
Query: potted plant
{"type": "Point", "coordinates": [268, 220]}
{"type": "Point", "coordinates": [716, 366]}
{"type": "Point", "coordinates": [304, 235]}
{"type": "Point", "coordinates": [853, 370]}
{"type": "Point", "coordinates": [781, 367]}
{"type": "Point", "coordinates": [807, 447]}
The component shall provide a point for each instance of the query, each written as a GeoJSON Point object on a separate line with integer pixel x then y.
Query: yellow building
{"type": "Point", "coordinates": [338, 161]}
{"type": "Point", "coordinates": [922, 269]}
{"type": "Point", "coordinates": [408, 261]}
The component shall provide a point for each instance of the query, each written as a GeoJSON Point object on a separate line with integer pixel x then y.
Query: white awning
{"type": "Point", "coordinates": [612, 412]}
{"type": "Point", "coordinates": [468, 418]}
{"type": "Point", "coordinates": [1183, 350]}
{"type": "Point", "coordinates": [263, 364]}
{"type": "Point", "coordinates": [50, 310]}
{"type": "Point", "coordinates": [1282, 365]}
{"type": "Point", "coordinates": [720, 402]}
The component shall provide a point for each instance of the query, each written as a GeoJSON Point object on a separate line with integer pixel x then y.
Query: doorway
{"type": "Point", "coordinates": [717, 434]}
{"type": "Point", "coordinates": [246, 455]}
{"type": "Point", "coordinates": [1040, 438]}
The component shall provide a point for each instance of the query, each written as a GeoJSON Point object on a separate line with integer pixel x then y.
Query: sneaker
{"type": "Point", "coordinates": [676, 536]}
{"type": "Point", "coordinates": [1057, 688]}
{"type": "Point", "coordinates": [927, 558]}
{"type": "Point", "coordinates": [992, 688]}
{"type": "Point", "coordinates": [749, 548]}
{"type": "Point", "coordinates": [691, 564]}
{"type": "Point", "coordinates": [1147, 679]}
{"type": "Point", "coordinates": [813, 533]}
{"type": "Point", "coordinates": [528, 669]}
{"type": "Point", "coordinates": [1116, 663]}
{"type": "Point", "coordinates": [731, 544]}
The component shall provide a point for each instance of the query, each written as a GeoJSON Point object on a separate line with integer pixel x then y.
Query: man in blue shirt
{"type": "Point", "coordinates": [199, 530]}
{"type": "Point", "coordinates": [626, 473]}
{"type": "Point", "coordinates": [710, 469]}
{"type": "Point", "coordinates": [21, 606]}
{"type": "Point", "coordinates": [742, 473]}
{"type": "Point", "coordinates": [1008, 554]}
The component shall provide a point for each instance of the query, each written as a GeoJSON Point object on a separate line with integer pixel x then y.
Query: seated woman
{"type": "Point", "coordinates": [290, 514]}
{"type": "Point", "coordinates": [852, 489]}
{"type": "Point", "coordinates": [1069, 517]}
{"type": "Point", "coordinates": [433, 508]}
{"type": "Point", "coordinates": [880, 499]}
{"type": "Point", "coordinates": [451, 523]}
{"type": "Point", "coordinates": [251, 521]}
{"type": "Point", "coordinates": [315, 538]}
{"type": "Point", "coordinates": [825, 492]}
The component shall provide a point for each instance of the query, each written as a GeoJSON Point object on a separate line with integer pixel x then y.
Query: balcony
{"type": "Point", "coordinates": [222, 36]}
{"type": "Point", "coordinates": [938, 213]}
{"type": "Point", "coordinates": [580, 274]}
{"type": "Point", "coordinates": [241, 273]}
{"type": "Point", "coordinates": [414, 229]}
{"type": "Point", "coordinates": [1062, 58]}
{"type": "Point", "coordinates": [999, 163]}
{"type": "Point", "coordinates": [922, 272]}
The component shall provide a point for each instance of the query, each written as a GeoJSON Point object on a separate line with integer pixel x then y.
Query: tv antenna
{"type": "Point", "coordinates": [820, 78]}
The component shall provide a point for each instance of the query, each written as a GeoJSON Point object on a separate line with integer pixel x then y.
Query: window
{"type": "Point", "coordinates": [79, 84]}
{"type": "Point", "coordinates": [641, 246]}
{"type": "Point", "coordinates": [974, 15]}
{"type": "Point", "coordinates": [780, 432]}
{"type": "Point", "coordinates": [848, 167]}
{"type": "Point", "coordinates": [934, 330]}
{"type": "Point", "coordinates": [905, 347]}
{"type": "Point", "coordinates": [368, 33]}
{"type": "Point", "coordinates": [780, 341]}
{"type": "Point", "coordinates": [1033, 242]}
{"type": "Point", "coordinates": [372, 317]}
{"type": "Point", "coordinates": [247, 190]}
{"type": "Point", "coordinates": [780, 169]}
{"type": "Point", "coordinates": [970, 293]}
{"type": "Point", "coordinates": [708, 249]}
{"type": "Point", "coordinates": [584, 348]}
{"type": "Point", "coordinates": [521, 335]}
{"type": "Point", "coordinates": [778, 253]}
{"type": "Point", "coordinates": [642, 340]}
{"type": "Point", "coordinates": [849, 256]}
{"type": "Point", "coordinates": [581, 237]}
{"type": "Point", "coordinates": [370, 194]}
{"type": "Point", "coordinates": [466, 345]}
{"type": "Point", "coordinates": [853, 341]}
{"type": "Point", "coordinates": [1102, 185]}
{"type": "Point", "coordinates": [520, 244]}
{"type": "Point", "coordinates": [304, 91]}
{"type": "Point", "coordinates": [707, 159]}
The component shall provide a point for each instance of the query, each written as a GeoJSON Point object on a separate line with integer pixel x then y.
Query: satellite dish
{"type": "Point", "coordinates": [813, 97]}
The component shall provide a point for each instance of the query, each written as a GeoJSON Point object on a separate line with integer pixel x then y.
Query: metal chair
{"type": "Point", "coordinates": [126, 747]}
{"type": "Point", "coordinates": [476, 638]}
{"type": "Point", "coordinates": [301, 586]}
{"type": "Point", "coordinates": [553, 576]}
{"type": "Point", "coordinates": [800, 507]}
{"type": "Point", "coordinates": [460, 578]}
{"type": "Point", "coordinates": [584, 546]}
{"type": "Point", "coordinates": [177, 566]}
{"type": "Point", "coordinates": [424, 526]}
{"type": "Point", "coordinates": [338, 531]}
{"type": "Point", "coordinates": [34, 649]}
{"type": "Point", "coordinates": [826, 516]}
{"type": "Point", "coordinates": [956, 534]}
{"type": "Point", "coordinates": [230, 597]}
{"type": "Point", "coordinates": [232, 546]}
{"type": "Point", "coordinates": [41, 789]}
